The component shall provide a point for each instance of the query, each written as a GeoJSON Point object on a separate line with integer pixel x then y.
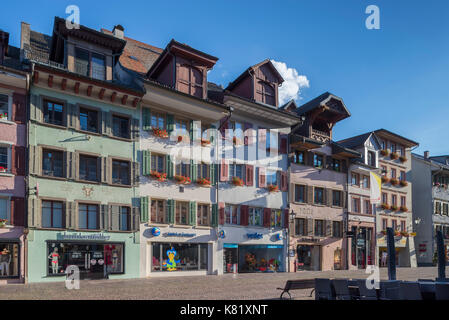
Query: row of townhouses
{"type": "Point", "coordinates": [121, 159]}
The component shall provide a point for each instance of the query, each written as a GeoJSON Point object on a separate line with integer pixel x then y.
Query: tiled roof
{"type": "Point", "coordinates": [137, 56]}
{"type": "Point", "coordinates": [355, 141]}
{"type": "Point", "coordinates": [12, 59]}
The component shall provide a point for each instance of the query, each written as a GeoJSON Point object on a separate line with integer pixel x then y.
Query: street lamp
{"type": "Point", "coordinates": [291, 219]}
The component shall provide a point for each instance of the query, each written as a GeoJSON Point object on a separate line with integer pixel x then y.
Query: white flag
{"type": "Point", "coordinates": [375, 192]}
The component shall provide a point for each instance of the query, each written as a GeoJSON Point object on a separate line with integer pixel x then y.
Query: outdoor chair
{"type": "Point", "coordinates": [410, 291]}
{"type": "Point", "coordinates": [390, 290]}
{"type": "Point", "coordinates": [324, 289]}
{"type": "Point", "coordinates": [341, 289]}
{"type": "Point", "coordinates": [365, 293]}
{"type": "Point", "coordinates": [441, 291]}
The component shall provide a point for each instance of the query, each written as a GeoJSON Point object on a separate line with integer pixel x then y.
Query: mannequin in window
{"type": "Point", "coordinates": [108, 256]}
{"type": "Point", "coordinates": [54, 256]}
{"type": "Point", "coordinates": [5, 260]}
{"type": "Point", "coordinates": [115, 259]}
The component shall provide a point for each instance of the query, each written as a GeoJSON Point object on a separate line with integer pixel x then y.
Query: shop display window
{"type": "Point", "coordinates": [261, 258]}
{"type": "Point", "coordinates": [9, 260]}
{"type": "Point", "coordinates": [179, 257]}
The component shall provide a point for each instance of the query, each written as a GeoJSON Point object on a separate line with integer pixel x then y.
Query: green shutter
{"type": "Point", "coordinates": [193, 171]}
{"type": "Point", "coordinates": [144, 209]}
{"type": "Point", "coordinates": [170, 211]}
{"type": "Point", "coordinates": [170, 123]}
{"type": "Point", "coordinates": [169, 167]}
{"type": "Point", "coordinates": [146, 119]}
{"type": "Point", "coordinates": [214, 221]}
{"type": "Point", "coordinates": [191, 131]}
{"type": "Point", "coordinates": [212, 173]}
{"type": "Point", "coordinates": [146, 162]}
{"type": "Point", "coordinates": [211, 136]}
{"type": "Point", "coordinates": [192, 213]}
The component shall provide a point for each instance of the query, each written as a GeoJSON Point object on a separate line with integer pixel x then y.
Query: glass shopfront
{"type": "Point", "coordinates": [361, 247]}
{"type": "Point", "coordinates": [179, 256]}
{"type": "Point", "coordinates": [94, 260]}
{"type": "Point", "coordinates": [260, 258]}
{"type": "Point", "coordinates": [9, 260]}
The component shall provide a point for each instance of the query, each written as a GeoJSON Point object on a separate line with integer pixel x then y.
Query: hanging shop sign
{"type": "Point", "coordinates": [80, 236]}
{"type": "Point", "coordinates": [179, 234]}
{"type": "Point", "coordinates": [254, 235]}
{"type": "Point", "coordinates": [155, 231]}
{"type": "Point", "coordinates": [221, 234]}
{"type": "Point", "coordinates": [277, 237]}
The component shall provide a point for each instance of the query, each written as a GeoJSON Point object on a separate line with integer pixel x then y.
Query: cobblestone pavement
{"type": "Point", "coordinates": [226, 287]}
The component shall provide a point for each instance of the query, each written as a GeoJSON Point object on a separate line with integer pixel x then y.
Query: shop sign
{"type": "Point", "coordinates": [277, 237]}
{"type": "Point", "coordinates": [179, 234]}
{"type": "Point", "coordinates": [80, 236]}
{"type": "Point", "coordinates": [254, 235]}
{"type": "Point", "coordinates": [221, 234]}
{"type": "Point", "coordinates": [155, 231]}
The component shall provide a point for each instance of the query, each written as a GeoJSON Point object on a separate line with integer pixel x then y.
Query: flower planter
{"type": "Point", "coordinates": [384, 152]}
{"type": "Point", "coordinates": [403, 183]}
{"type": "Point", "coordinates": [384, 232]}
{"type": "Point", "coordinates": [3, 223]}
{"type": "Point", "coordinates": [182, 180]}
{"type": "Point", "coordinates": [404, 234]}
{"type": "Point", "coordinates": [394, 181]}
{"type": "Point", "coordinates": [2, 169]}
{"type": "Point", "coordinates": [385, 179]}
{"type": "Point", "coordinates": [272, 188]}
{"type": "Point", "coordinates": [180, 138]}
{"type": "Point", "coordinates": [203, 182]}
{"type": "Point", "coordinates": [159, 176]}
{"type": "Point", "coordinates": [205, 142]}
{"type": "Point", "coordinates": [394, 208]}
{"type": "Point", "coordinates": [236, 181]}
{"type": "Point", "coordinates": [394, 156]}
{"type": "Point", "coordinates": [403, 209]}
{"type": "Point", "coordinates": [385, 206]}
{"type": "Point", "coordinates": [4, 115]}
{"type": "Point", "coordinates": [403, 159]}
{"type": "Point", "coordinates": [160, 133]}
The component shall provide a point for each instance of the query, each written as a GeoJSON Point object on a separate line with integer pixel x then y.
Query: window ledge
{"type": "Point", "coordinates": [155, 224]}
{"type": "Point", "coordinates": [121, 138]}
{"type": "Point", "coordinates": [6, 174]}
{"type": "Point", "coordinates": [203, 227]}
{"type": "Point", "coordinates": [6, 121]}
{"type": "Point", "coordinates": [121, 185]}
{"type": "Point", "coordinates": [52, 125]}
{"type": "Point", "coordinates": [88, 132]}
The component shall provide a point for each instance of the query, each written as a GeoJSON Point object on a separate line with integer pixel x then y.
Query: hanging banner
{"type": "Point", "coordinates": [375, 192]}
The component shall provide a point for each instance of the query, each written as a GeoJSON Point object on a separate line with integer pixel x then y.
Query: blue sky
{"type": "Point", "coordinates": [394, 78]}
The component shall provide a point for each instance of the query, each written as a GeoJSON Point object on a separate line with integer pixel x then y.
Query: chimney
{"type": "Point", "coordinates": [426, 155]}
{"type": "Point", "coordinates": [4, 39]}
{"type": "Point", "coordinates": [118, 31]}
{"type": "Point", "coordinates": [24, 39]}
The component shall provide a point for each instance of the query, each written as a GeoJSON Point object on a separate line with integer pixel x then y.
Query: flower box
{"type": "Point", "coordinates": [384, 152]}
{"type": "Point", "coordinates": [3, 223]}
{"type": "Point", "coordinates": [384, 232]}
{"type": "Point", "coordinates": [436, 184]}
{"type": "Point", "coordinates": [385, 206]}
{"type": "Point", "coordinates": [158, 175]}
{"type": "Point", "coordinates": [385, 179]}
{"type": "Point", "coordinates": [160, 133]}
{"type": "Point", "coordinates": [4, 115]}
{"type": "Point", "coordinates": [412, 234]}
{"type": "Point", "coordinates": [403, 209]}
{"type": "Point", "coordinates": [236, 181]}
{"type": "Point", "coordinates": [394, 156]}
{"type": "Point", "coordinates": [3, 169]}
{"type": "Point", "coordinates": [205, 142]}
{"type": "Point", "coordinates": [180, 138]}
{"type": "Point", "coordinates": [403, 183]}
{"type": "Point", "coordinates": [182, 180]}
{"type": "Point", "coordinates": [203, 182]}
{"type": "Point", "coordinates": [394, 181]}
{"type": "Point", "coordinates": [404, 233]}
{"type": "Point", "coordinates": [397, 234]}
{"type": "Point", "coordinates": [272, 188]}
{"type": "Point", "coordinates": [394, 208]}
{"type": "Point", "coordinates": [403, 159]}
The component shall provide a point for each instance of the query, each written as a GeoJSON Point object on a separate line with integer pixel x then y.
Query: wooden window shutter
{"type": "Point", "coordinates": [18, 211]}
{"type": "Point", "coordinates": [169, 167]}
{"type": "Point", "coordinates": [262, 139]}
{"type": "Point", "coordinates": [344, 202]}
{"type": "Point", "coordinates": [144, 209]}
{"type": "Point", "coordinates": [286, 219]}
{"type": "Point", "coordinates": [146, 119]}
{"type": "Point", "coordinates": [104, 217]}
{"type": "Point", "coordinates": [36, 108]}
{"type": "Point", "coordinates": [34, 213]}
{"type": "Point", "coordinates": [18, 160]}
{"type": "Point", "coordinates": [146, 162]}
{"type": "Point", "coordinates": [221, 213]}
{"type": "Point", "coordinates": [135, 219]}
{"type": "Point", "coordinates": [135, 174]}
{"type": "Point", "coordinates": [310, 227]}
{"type": "Point", "coordinates": [18, 108]}
{"type": "Point", "coordinates": [71, 115]}
{"type": "Point", "coordinates": [170, 123]}
{"type": "Point", "coordinates": [192, 213]}
{"type": "Point", "coordinates": [329, 197]}
{"type": "Point", "coordinates": [328, 228]}
{"type": "Point", "coordinates": [249, 175]}
{"type": "Point", "coordinates": [283, 143]}
{"type": "Point", "coordinates": [170, 210]}
{"type": "Point", "coordinates": [244, 215]}
{"type": "Point", "coordinates": [262, 178]}
{"type": "Point", "coordinates": [266, 217]}
{"type": "Point", "coordinates": [68, 215]}
{"type": "Point", "coordinates": [115, 218]}
{"type": "Point", "coordinates": [214, 222]}
{"type": "Point", "coordinates": [105, 167]}
{"type": "Point", "coordinates": [65, 164]}
{"type": "Point", "coordinates": [193, 171]}
{"type": "Point", "coordinates": [224, 170]}
{"type": "Point", "coordinates": [106, 118]}
{"type": "Point", "coordinates": [135, 129]}
{"type": "Point", "coordinates": [284, 181]}
{"type": "Point", "coordinates": [310, 194]}
{"type": "Point", "coordinates": [248, 137]}
{"type": "Point", "coordinates": [212, 173]}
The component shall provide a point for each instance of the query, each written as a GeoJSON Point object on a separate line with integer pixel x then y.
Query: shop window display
{"type": "Point", "coordinates": [93, 260]}
{"type": "Point", "coordinates": [260, 258]}
{"type": "Point", "coordinates": [179, 257]}
{"type": "Point", "coordinates": [9, 260]}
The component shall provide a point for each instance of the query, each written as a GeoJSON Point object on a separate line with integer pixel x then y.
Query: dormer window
{"type": "Point", "coordinates": [371, 158]}
{"type": "Point", "coordinates": [90, 64]}
{"type": "Point", "coordinates": [190, 80]}
{"type": "Point", "coordinates": [266, 92]}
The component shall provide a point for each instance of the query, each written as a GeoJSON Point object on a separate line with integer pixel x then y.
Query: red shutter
{"type": "Point", "coordinates": [221, 213]}
{"type": "Point", "coordinates": [244, 215]}
{"type": "Point", "coordinates": [18, 108]}
{"type": "Point", "coordinates": [262, 137]}
{"type": "Point", "coordinates": [266, 217]}
{"type": "Point", "coordinates": [18, 211]}
{"type": "Point", "coordinates": [285, 218]}
{"type": "Point", "coordinates": [248, 133]}
{"type": "Point", "coordinates": [262, 178]}
{"type": "Point", "coordinates": [284, 183]}
{"type": "Point", "coordinates": [18, 160]}
{"type": "Point", "coordinates": [224, 170]}
{"type": "Point", "coordinates": [249, 175]}
{"type": "Point", "coordinates": [283, 144]}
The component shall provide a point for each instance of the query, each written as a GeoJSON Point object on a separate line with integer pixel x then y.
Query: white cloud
{"type": "Point", "coordinates": [294, 82]}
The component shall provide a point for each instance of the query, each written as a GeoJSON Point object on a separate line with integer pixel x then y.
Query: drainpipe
{"type": "Point", "coordinates": [27, 180]}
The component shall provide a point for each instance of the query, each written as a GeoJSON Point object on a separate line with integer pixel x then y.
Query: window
{"type": "Point", "coordinates": [356, 205]}
{"type": "Point", "coordinates": [366, 182]}
{"type": "Point", "coordinates": [157, 163]}
{"type": "Point", "coordinates": [384, 198]}
{"type": "Point", "coordinates": [393, 147]}
{"type": "Point", "coordinates": [445, 208]}
{"type": "Point", "coordinates": [317, 161]}
{"type": "Point", "coordinates": [336, 165]}
{"type": "Point", "coordinates": [300, 227]}
{"type": "Point", "coordinates": [52, 214]}
{"type": "Point", "coordinates": [88, 120]}
{"type": "Point", "coordinates": [437, 207]}
{"type": "Point", "coordinates": [232, 214]}
{"type": "Point", "coordinates": [394, 200]}
{"type": "Point", "coordinates": [383, 145]}
{"type": "Point", "coordinates": [204, 171]}
{"type": "Point", "coordinates": [183, 169]}
{"type": "Point", "coordinates": [393, 173]}
{"type": "Point", "coordinates": [182, 212]}
{"type": "Point", "coordinates": [319, 228]}
{"type": "Point", "coordinates": [157, 211]}
{"type": "Point", "coordinates": [9, 259]}
{"type": "Point", "coordinates": [52, 163]}
{"type": "Point", "coordinates": [82, 65]}
{"type": "Point", "coordinates": [53, 112]}
{"type": "Point", "coordinates": [337, 229]}
{"type": "Point", "coordinates": [394, 224]}
{"type": "Point", "coordinates": [88, 216]}
{"type": "Point", "coordinates": [355, 179]}
{"type": "Point", "coordinates": [190, 80]}
{"type": "Point", "coordinates": [266, 92]}
{"type": "Point", "coordinates": [125, 219]}
{"type": "Point", "coordinates": [372, 158]}
{"type": "Point", "coordinates": [384, 224]}
{"type": "Point", "coordinates": [237, 128]}
{"type": "Point", "coordinates": [300, 193]}
{"type": "Point", "coordinates": [203, 214]}
{"type": "Point", "coordinates": [121, 172]}
{"type": "Point", "coordinates": [255, 216]}
{"type": "Point", "coordinates": [88, 169]}
{"type": "Point", "coordinates": [276, 218]}
{"type": "Point", "coordinates": [3, 159]}
{"type": "Point", "coordinates": [403, 226]}
{"type": "Point", "coordinates": [271, 177]}
{"type": "Point", "coordinates": [4, 209]}
{"type": "Point", "coordinates": [403, 178]}
{"type": "Point", "coordinates": [237, 170]}
{"type": "Point", "coordinates": [98, 66]}
{"type": "Point", "coordinates": [403, 201]}
{"type": "Point", "coordinates": [384, 170]}
{"type": "Point", "coordinates": [4, 107]}
{"type": "Point", "coordinates": [120, 127]}
{"type": "Point", "coordinates": [181, 127]}
{"type": "Point", "coordinates": [319, 195]}
{"type": "Point", "coordinates": [367, 206]}
{"type": "Point", "coordinates": [336, 198]}
{"type": "Point", "coordinates": [157, 121]}
{"type": "Point", "coordinates": [191, 256]}
{"type": "Point", "coordinates": [272, 141]}
{"type": "Point", "coordinates": [299, 157]}
{"type": "Point", "coordinates": [402, 151]}
{"type": "Point", "coordinates": [90, 64]}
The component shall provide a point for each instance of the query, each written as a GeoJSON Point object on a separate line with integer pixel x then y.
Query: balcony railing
{"type": "Point", "coordinates": [41, 57]}
{"type": "Point", "coordinates": [319, 135]}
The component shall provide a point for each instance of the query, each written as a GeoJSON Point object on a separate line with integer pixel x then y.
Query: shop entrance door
{"type": "Point", "coordinates": [89, 259]}
{"type": "Point", "coordinates": [304, 257]}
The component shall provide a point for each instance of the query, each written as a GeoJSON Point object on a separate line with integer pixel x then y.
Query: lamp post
{"type": "Point", "coordinates": [291, 219]}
